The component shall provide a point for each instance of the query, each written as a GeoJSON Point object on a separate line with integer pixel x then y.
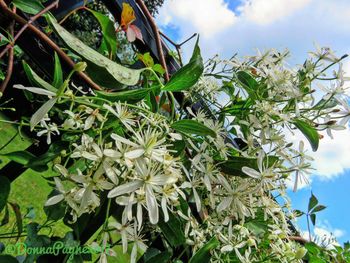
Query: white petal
{"type": "Point", "coordinates": [112, 153]}
{"type": "Point", "coordinates": [88, 122]}
{"type": "Point", "coordinates": [251, 172]}
{"type": "Point", "coordinates": [35, 90]}
{"type": "Point", "coordinates": [197, 200]}
{"type": "Point", "coordinates": [227, 248]}
{"type": "Point", "coordinates": [54, 200]}
{"type": "Point", "coordinates": [118, 138]}
{"type": "Point", "coordinates": [134, 153]}
{"type": "Point", "coordinates": [151, 205]}
{"type": "Point", "coordinates": [226, 202]}
{"type": "Point", "coordinates": [165, 210]}
{"type": "Point", "coordinates": [125, 188]}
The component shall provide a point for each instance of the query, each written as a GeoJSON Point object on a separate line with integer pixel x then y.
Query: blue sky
{"type": "Point", "coordinates": [240, 26]}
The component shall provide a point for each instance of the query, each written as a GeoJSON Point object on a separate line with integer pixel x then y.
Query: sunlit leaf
{"type": "Point", "coordinates": [312, 202]}
{"type": "Point", "coordinates": [203, 254]}
{"type": "Point", "coordinates": [35, 80]}
{"type": "Point", "coordinates": [58, 74]}
{"type": "Point", "coordinates": [192, 127]}
{"type": "Point", "coordinates": [187, 76]}
{"type": "Point", "coordinates": [102, 66]}
{"type": "Point", "coordinates": [108, 31]}
{"type": "Point", "coordinates": [310, 133]}
{"type": "Point", "coordinates": [29, 6]}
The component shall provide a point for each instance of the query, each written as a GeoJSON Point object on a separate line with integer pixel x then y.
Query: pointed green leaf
{"type": "Point", "coordinates": [41, 112]}
{"type": "Point", "coordinates": [107, 68]}
{"type": "Point", "coordinates": [192, 127]}
{"type": "Point", "coordinates": [131, 96]}
{"type": "Point", "coordinates": [172, 230]}
{"type": "Point", "coordinates": [312, 202]}
{"type": "Point", "coordinates": [310, 133]}
{"type": "Point", "coordinates": [58, 74]}
{"type": "Point", "coordinates": [35, 80]}
{"type": "Point", "coordinates": [108, 31]}
{"type": "Point", "coordinates": [203, 254]}
{"type": "Point", "coordinates": [5, 187]}
{"type": "Point", "coordinates": [318, 208]}
{"type": "Point", "coordinates": [313, 218]}
{"type": "Point", "coordinates": [21, 157]}
{"type": "Point", "coordinates": [187, 76]}
{"type": "Point", "coordinates": [29, 6]}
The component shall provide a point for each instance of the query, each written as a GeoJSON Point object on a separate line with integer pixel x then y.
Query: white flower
{"type": "Point", "coordinates": [49, 129]}
{"type": "Point", "coordinates": [123, 113]}
{"type": "Point", "coordinates": [93, 114]}
{"type": "Point", "coordinates": [150, 177]}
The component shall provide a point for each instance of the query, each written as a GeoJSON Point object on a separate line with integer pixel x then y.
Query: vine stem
{"type": "Point", "coordinates": [30, 21]}
{"type": "Point", "coordinates": [48, 41]}
{"type": "Point", "coordinates": [10, 57]}
{"type": "Point", "coordinates": [144, 9]}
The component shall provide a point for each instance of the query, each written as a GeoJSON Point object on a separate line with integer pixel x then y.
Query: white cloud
{"type": "Point", "coordinates": [325, 234]}
{"type": "Point", "coordinates": [265, 12]}
{"type": "Point", "coordinates": [207, 17]}
{"type": "Point", "coordinates": [332, 157]}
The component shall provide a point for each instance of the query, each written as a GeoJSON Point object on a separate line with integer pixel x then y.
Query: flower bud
{"type": "Point", "coordinates": [300, 253]}
{"type": "Point", "coordinates": [80, 66]}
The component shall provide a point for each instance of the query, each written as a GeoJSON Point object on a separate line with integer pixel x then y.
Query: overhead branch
{"type": "Point", "coordinates": [10, 58]}
{"type": "Point", "coordinates": [149, 17]}
{"type": "Point", "coordinates": [42, 36]}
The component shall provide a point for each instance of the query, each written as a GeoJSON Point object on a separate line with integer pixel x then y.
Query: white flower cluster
{"type": "Point", "coordinates": [133, 155]}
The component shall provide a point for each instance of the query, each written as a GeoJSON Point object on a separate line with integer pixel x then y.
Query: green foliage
{"type": "Point", "coordinates": [310, 133]}
{"type": "Point", "coordinates": [31, 7]}
{"type": "Point", "coordinates": [192, 127]}
{"type": "Point", "coordinates": [203, 254]}
{"type": "Point", "coordinates": [103, 71]}
{"type": "Point", "coordinates": [188, 75]}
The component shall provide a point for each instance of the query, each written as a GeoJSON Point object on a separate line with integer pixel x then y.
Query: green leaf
{"type": "Point", "coordinates": [57, 74]}
{"type": "Point", "coordinates": [192, 127]}
{"type": "Point", "coordinates": [312, 202]}
{"type": "Point", "coordinates": [188, 75]}
{"type": "Point", "coordinates": [146, 59]}
{"type": "Point", "coordinates": [5, 186]}
{"type": "Point", "coordinates": [172, 230]}
{"type": "Point", "coordinates": [318, 208]}
{"type": "Point", "coordinates": [29, 6]}
{"type": "Point", "coordinates": [108, 31]}
{"type": "Point", "coordinates": [21, 157]}
{"type": "Point", "coordinates": [130, 96]}
{"type": "Point", "coordinates": [41, 112]}
{"type": "Point", "coordinates": [248, 83]}
{"type": "Point", "coordinates": [159, 69]}
{"type": "Point", "coordinates": [35, 80]}
{"type": "Point", "coordinates": [310, 133]}
{"type": "Point", "coordinates": [203, 254]}
{"type": "Point", "coordinates": [233, 166]}
{"type": "Point", "coordinates": [2, 75]}
{"type": "Point", "coordinates": [162, 257]}
{"type": "Point", "coordinates": [103, 68]}
{"type": "Point", "coordinates": [8, 259]}
{"type": "Point", "coordinates": [313, 218]}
